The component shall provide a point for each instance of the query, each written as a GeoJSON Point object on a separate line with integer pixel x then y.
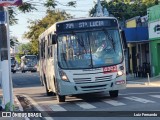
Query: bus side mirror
{"type": "Point", "coordinates": [124, 42]}
{"type": "Point", "coordinates": [54, 39]}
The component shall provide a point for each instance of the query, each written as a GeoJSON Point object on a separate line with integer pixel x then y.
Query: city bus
{"type": "Point", "coordinates": [29, 63]}
{"type": "Point", "coordinates": [82, 56]}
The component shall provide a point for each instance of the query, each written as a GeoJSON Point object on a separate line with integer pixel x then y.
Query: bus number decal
{"type": "Point", "coordinates": [69, 26]}
{"type": "Point", "coordinates": [110, 69]}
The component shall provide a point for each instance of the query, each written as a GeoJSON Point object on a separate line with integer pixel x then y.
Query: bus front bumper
{"type": "Point", "coordinates": [68, 88]}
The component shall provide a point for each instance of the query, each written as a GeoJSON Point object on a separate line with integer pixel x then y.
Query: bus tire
{"type": "Point", "coordinates": [47, 91]}
{"type": "Point", "coordinates": [113, 94]}
{"type": "Point", "coordinates": [61, 98]}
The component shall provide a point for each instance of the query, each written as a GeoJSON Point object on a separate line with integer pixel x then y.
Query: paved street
{"type": "Point", "coordinates": [137, 97]}
{"type": "Point", "coordinates": [27, 79]}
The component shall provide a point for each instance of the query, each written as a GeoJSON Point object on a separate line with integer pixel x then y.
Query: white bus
{"type": "Point", "coordinates": [29, 63]}
{"type": "Point", "coordinates": [82, 56]}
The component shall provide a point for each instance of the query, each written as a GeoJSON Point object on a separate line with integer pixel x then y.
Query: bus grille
{"type": "Point", "coordinates": [82, 80]}
{"type": "Point", "coordinates": [89, 80]}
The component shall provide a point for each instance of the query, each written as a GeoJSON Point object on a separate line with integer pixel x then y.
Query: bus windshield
{"type": "Point", "coordinates": [30, 60]}
{"type": "Point", "coordinates": [89, 49]}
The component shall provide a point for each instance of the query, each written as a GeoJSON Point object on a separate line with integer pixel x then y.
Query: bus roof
{"type": "Point", "coordinates": [52, 29]}
{"type": "Point", "coordinates": [88, 18]}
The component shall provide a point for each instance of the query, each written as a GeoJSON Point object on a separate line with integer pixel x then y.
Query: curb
{"type": "Point", "coordinates": [152, 84]}
{"type": "Point", "coordinates": [141, 83]}
{"type": "Point", "coordinates": [18, 104]}
{"type": "Point", "coordinates": [144, 83]}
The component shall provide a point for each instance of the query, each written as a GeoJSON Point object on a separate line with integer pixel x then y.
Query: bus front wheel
{"type": "Point", "coordinates": [113, 93]}
{"type": "Point", "coordinates": [61, 98]}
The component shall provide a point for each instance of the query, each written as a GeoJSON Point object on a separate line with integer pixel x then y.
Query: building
{"type": "Point", "coordinates": [137, 54]}
{"type": "Point", "coordinates": [154, 37]}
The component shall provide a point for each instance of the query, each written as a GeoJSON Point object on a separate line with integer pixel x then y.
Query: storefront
{"type": "Point", "coordinates": [137, 55]}
{"type": "Point", "coordinates": [154, 37]}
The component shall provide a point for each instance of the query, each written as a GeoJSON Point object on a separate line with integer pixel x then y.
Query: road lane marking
{"type": "Point", "coordinates": [85, 105]}
{"type": "Point", "coordinates": [39, 108]}
{"type": "Point", "coordinates": [139, 99]}
{"type": "Point", "coordinates": [46, 107]}
{"type": "Point", "coordinates": [114, 102]}
{"type": "Point", "coordinates": [156, 96]}
{"type": "Point", "coordinates": [44, 102]}
{"type": "Point", "coordinates": [57, 108]}
{"type": "Point", "coordinates": [140, 93]}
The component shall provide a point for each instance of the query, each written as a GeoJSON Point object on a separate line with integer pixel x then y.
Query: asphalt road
{"type": "Point", "coordinates": [27, 79]}
{"type": "Point", "coordinates": [136, 98]}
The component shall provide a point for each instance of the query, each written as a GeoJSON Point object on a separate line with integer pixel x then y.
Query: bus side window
{"type": "Point", "coordinates": [48, 52]}
{"type": "Point", "coordinates": [45, 50]}
{"type": "Point", "coordinates": [41, 49]}
{"type": "Point", "coordinates": [51, 51]}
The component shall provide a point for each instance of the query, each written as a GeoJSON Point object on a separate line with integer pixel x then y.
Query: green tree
{"type": "Point", "coordinates": [123, 9]}
{"type": "Point", "coordinates": [30, 6]}
{"type": "Point", "coordinates": [23, 49]}
{"type": "Point", "coordinates": [38, 26]}
{"type": "Point", "coordinates": [13, 41]}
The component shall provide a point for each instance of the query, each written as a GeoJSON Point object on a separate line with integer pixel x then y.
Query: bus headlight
{"type": "Point", "coordinates": [119, 73]}
{"type": "Point", "coordinates": [63, 75]}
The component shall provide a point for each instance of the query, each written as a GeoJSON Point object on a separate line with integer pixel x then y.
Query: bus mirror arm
{"type": "Point", "coordinates": [124, 50]}
{"type": "Point", "coordinates": [54, 39]}
{"type": "Point", "coordinates": [124, 41]}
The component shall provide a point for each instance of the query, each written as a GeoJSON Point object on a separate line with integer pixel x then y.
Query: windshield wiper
{"type": "Point", "coordinates": [110, 38]}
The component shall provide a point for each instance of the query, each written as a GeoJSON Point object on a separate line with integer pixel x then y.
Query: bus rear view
{"type": "Point", "coordinates": [88, 57]}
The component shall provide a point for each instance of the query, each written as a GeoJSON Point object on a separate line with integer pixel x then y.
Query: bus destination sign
{"type": "Point", "coordinates": [73, 25]}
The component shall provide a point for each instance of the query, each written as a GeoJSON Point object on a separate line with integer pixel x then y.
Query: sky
{"type": "Point", "coordinates": [81, 10]}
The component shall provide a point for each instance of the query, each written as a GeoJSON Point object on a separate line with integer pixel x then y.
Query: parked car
{"type": "Point", "coordinates": [13, 65]}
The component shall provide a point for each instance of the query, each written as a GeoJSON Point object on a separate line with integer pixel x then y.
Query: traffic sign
{"type": "Point", "coordinates": [2, 16]}
{"type": "Point", "coordinates": [10, 2]}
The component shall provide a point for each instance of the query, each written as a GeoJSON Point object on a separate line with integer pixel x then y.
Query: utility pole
{"type": "Point", "coordinates": [5, 62]}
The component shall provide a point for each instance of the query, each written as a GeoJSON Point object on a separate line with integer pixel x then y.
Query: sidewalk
{"type": "Point", "coordinates": [153, 81]}
{"type": "Point", "coordinates": [17, 108]}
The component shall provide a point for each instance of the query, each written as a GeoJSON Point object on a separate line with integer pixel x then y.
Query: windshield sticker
{"type": "Point", "coordinates": [110, 69]}
{"type": "Point", "coordinates": [109, 61]}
